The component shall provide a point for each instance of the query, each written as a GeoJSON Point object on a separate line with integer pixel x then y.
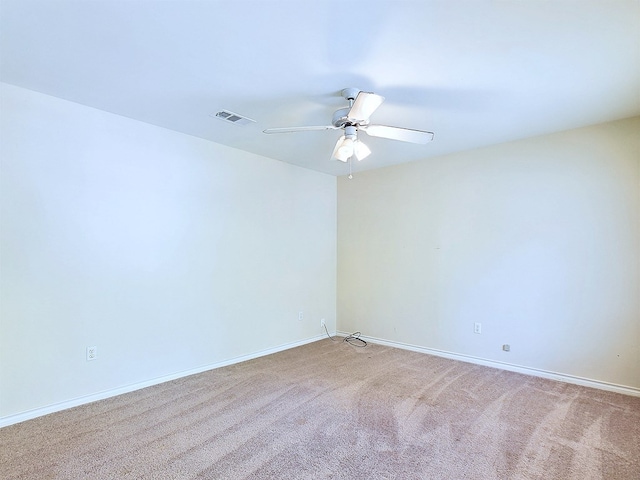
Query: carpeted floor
{"type": "Point", "coordinates": [331, 410]}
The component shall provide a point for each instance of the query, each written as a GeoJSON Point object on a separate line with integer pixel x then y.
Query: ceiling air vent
{"type": "Point", "coordinates": [231, 117]}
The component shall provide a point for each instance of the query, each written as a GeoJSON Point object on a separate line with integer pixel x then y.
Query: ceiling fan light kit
{"type": "Point", "coordinates": [355, 118]}
{"type": "Point", "coordinates": [348, 146]}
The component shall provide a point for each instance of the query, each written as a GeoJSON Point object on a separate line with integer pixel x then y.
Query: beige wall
{"type": "Point", "coordinates": [539, 240]}
{"type": "Point", "coordinates": [167, 252]}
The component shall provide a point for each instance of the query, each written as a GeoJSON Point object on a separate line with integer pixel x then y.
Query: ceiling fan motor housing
{"type": "Point", "coordinates": [340, 118]}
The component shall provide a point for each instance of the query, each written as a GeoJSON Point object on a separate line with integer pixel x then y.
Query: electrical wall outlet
{"type": "Point", "coordinates": [477, 327]}
{"type": "Point", "coordinates": [506, 347]}
{"type": "Point", "coordinates": [322, 322]}
{"type": "Point", "coordinates": [300, 315]}
{"type": "Point", "coordinates": [92, 353]}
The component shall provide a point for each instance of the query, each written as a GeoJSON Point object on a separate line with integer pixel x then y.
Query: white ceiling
{"type": "Point", "coordinates": [474, 72]}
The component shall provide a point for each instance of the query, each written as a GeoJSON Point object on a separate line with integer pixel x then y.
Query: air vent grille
{"type": "Point", "coordinates": [231, 117]}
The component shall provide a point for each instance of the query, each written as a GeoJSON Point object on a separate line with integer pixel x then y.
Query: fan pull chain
{"type": "Point", "coordinates": [351, 100]}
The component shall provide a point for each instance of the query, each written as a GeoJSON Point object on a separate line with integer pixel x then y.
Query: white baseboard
{"type": "Point", "coordinates": [585, 382]}
{"type": "Point", "coordinates": [28, 415]}
{"type": "Point", "coordinates": [38, 412]}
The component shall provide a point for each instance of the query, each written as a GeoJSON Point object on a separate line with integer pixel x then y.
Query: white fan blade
{"type": "Point", "coordinates": [398, 133]}
{"type": "Point", "coordinates": [299, 129]}
{"type": "Point", "coordinates": [364, 105]}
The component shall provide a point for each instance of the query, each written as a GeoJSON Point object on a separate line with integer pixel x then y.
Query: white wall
{"type": "Point", "coordinates": [539, 240]}
{"type": "Point", "coordinates": [165, 251]}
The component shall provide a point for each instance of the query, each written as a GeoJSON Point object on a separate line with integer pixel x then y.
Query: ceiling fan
{"type": "Point", "coordinates": [355, 118]}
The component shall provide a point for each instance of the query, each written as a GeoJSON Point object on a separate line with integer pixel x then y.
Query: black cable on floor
{"type": "Point", "coordinates": [353, 339]}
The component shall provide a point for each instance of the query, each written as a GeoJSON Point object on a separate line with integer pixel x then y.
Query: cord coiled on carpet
{"type": "Point", "coordinates": [353, 339]}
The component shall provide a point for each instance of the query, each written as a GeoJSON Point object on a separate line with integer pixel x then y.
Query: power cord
{"type": "Point", "coordinates": [353, 339]}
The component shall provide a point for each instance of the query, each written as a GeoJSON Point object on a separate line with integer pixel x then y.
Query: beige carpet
{"type": "Point", "coordinates": [330, 410]}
